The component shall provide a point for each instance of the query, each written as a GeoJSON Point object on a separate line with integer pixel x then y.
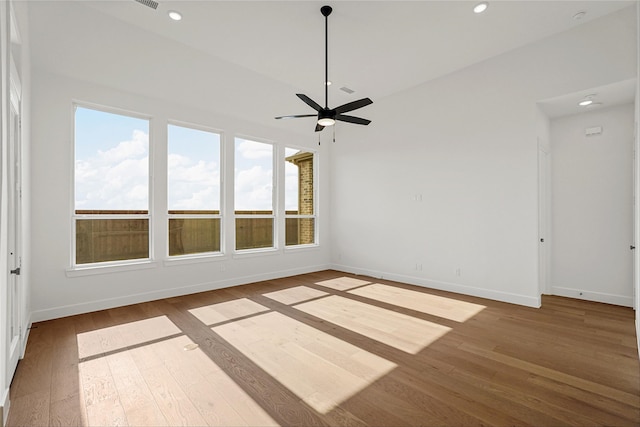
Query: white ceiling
{"type": "Point", "coordinates": [376, 48]}
{"type": "Point", "coordinates": [603, 96]}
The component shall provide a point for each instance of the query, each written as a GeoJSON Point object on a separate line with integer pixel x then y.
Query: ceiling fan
{"type": "Point", "coordinates": [328, 116]}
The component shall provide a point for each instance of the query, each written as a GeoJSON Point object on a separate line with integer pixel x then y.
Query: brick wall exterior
{"type": "Point", "coordinates": [306, 227]}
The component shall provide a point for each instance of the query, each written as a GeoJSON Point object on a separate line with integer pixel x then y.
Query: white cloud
{"type": "Point", "coordinates": [193, 184]}
{"type": "Point", "coordinates": [197, 200]}
{"type": "Point", "coordinates": [254, 189]}
{"type": "Point", "coordinates": [133, 148]}
{"type": "Point", "coordinates": [117, 178]}
{"type": "Point", "coordinates": [254, 150]}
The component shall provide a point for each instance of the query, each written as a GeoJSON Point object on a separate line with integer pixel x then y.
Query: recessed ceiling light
{"type": "Point", "coordinates": [176, 16]}
{"type": "Point", "coordinates": [481, 7]}
{"type": "Point", "coordinates": [594, 104]}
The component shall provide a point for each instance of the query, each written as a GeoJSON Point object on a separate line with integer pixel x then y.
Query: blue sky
{"type": "Point", "coordinates": [112, 164]}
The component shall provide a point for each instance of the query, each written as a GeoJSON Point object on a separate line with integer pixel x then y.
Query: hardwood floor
{"type": "Point", "coordinates": [330, 348]}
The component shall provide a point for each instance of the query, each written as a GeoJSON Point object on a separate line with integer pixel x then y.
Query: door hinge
{"type": "Point", "coordinates": [632, 247]}
{"type": "Point", "coordinates": [16, 271]}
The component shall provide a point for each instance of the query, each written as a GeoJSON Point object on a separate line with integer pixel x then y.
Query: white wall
{"type": "Point", "coordinates": [54, 293]}
{"type": "Point", "coordinates": [592, 206]}
{"type": "Point", "coordinates": [466, 145]}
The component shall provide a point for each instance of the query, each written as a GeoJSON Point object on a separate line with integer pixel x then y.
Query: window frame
{"type": "Point", "coordinates": [219, 215]}
{"type": "Point", "coordinates": [156, 220]}
{"type": "Point", "coordinates": [74, 217]}
{"type": "Point", "coordinates": [316, 193]}
{"type": "Point", "coordinates": [275, 150]}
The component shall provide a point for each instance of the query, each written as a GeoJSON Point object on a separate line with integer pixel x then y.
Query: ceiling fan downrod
{"type": "Point", "coordinates": [326, 11]}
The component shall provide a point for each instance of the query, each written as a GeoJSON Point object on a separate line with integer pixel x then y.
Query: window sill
{"type": "Point", "coordinates": [249, 253]}
{"type": "Point", "coordinates": [193, 259]}
{"type": "Point", "coordinates": [295, 248]}
{"type": "Point", "coordinates": [95, 269]}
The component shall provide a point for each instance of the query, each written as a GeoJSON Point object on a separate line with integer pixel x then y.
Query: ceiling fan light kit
{"type": "Point", "coordinates": [328, 116]}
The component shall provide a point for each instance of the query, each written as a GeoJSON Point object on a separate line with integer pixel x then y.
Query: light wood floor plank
{"type": "Point", "coordinates": [171, 399]}
{"type": "Point", "coordinates": [134, 394]}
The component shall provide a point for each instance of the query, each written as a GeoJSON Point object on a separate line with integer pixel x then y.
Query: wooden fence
{"type": "Point", "coordinates": [113, 239]}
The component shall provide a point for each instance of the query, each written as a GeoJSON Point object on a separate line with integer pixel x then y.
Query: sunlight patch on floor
{"type": "Point", "coordinates": [228, 310]}
{"type": "Point", "coordinates": [447, 308]}
{"type": "Point", "coordinates": [162, 384]}
{"type": "Point", "coordinates": [122, 336]}
{"type": "Point", "coordinates": [343, 283]}
{"type": "Point", "coordinates": [398, 330]}
{"type": "Point", "coordinates": [320, 369]}
{"type": "Point", "coordinates": [295, 295]}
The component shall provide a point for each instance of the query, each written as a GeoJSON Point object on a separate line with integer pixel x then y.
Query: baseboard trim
{"type": "Point", "coordinates": [25, 335]}
{"type": "Point", "coordinates": [614, 299]}
{"type": "Point", "coordinates": [446, 286]}
{"type": "Point", "coordinates": [87, 307]}
{"type": "Point", "coordinates": [638, 329]}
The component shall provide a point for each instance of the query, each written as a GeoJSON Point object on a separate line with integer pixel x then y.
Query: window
{"type": "Point", "coordinates": [194, 191]}
{"type": "Point", "coordinates": [111, 180]}
{"type": "Point", "coordinates": [254, 215]}
{"type": "Point", "coordinates": [299, 197]}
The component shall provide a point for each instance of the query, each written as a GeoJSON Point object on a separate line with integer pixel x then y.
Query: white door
{"type": "Point", "coordinates": [543, 219]}
{"type": "Point", "coordinates": [15, 294]}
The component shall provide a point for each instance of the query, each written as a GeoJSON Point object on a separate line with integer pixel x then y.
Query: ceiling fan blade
{"type": "Point", "coordinates": [297, 116]}
{"type": "Point", "coordinates": [319, 127]}
{"type": "Point", "coordinates": [353, 105]}
{"type": "Point", "coordinates": [352, 119]}
{"type": "Point", "coordinates": [310, 102]}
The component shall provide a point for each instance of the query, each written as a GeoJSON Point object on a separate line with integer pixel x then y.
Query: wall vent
{"type": "Point", "coordinates": [149, 3]}
{"type": "Point", "coordinates": [597, 130]}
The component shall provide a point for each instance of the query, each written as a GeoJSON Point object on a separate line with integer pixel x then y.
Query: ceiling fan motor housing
{"type": "Point", "coordinates": [326, 113]}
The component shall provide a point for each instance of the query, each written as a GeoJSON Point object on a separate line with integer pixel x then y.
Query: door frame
{"type": "Point", "coordinates": [544, 218]}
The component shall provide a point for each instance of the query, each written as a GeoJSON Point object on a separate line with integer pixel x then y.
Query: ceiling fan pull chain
{"type": "Point", "coordinates": [334, 134]}
{"type": "Point", "coordinates": [318, 138]}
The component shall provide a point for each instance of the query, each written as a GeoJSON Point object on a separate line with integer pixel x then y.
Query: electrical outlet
{"type": "Point", "coordinates": [223, 267]}
{"type": "Point", "coordinates": [458, 272]}
{"type": "Point", "coordinates": [419, 267]}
